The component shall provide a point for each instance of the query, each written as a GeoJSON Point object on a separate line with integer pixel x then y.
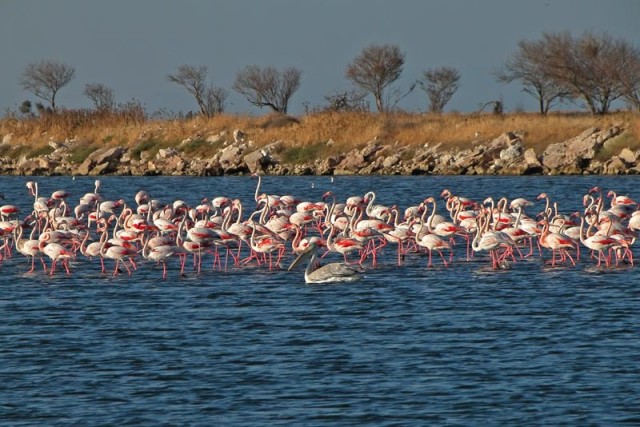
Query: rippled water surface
{"type": "Point", "coordinates": [530, 345]}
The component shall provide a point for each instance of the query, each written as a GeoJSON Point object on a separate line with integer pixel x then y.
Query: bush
{"type": "Point", "coordinates": [151, 146]}
{"type": "Point", "coordinates": [39, 151]}
{"type": "Point", "coordinates": [303, 153]}
{"type": "Point", "coordinates": [200, 148]}
{"type": "Point", "coordinates": [615, 145]}
{"type": "Point", "coordinates": [81, 152]}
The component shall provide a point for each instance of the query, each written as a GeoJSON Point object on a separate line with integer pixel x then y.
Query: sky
{"type": "Point", "coordinates": [132, 45]}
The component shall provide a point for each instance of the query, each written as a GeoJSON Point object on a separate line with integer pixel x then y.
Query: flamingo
{"type": "Point", "coordinates": [491, 241]}
{"type": "Point", "coordinates": [56, 252]}
{"type": "Point", "coordinates": [557, 242]}
{"type": "Point", "coordinates": [431, 242]}
{"type": "Point", "coordinates": [597, 243]}
{"type": "Point", "coordinates": [161, 254]}
{"type": "Point", "coordinates": [118, 254]}
{"type": "Point", "coordinates": [29, 248]}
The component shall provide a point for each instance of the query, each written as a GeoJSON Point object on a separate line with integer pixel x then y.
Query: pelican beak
{"type": "Point", "coordinates": [303, 256]}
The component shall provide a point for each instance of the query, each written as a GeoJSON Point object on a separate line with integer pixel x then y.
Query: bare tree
{"type": "Point", "coordinates": [528, 66]}
{"type": "Point", "coordinates": [588, 67]}
{"type": "Point", "coordinates": [101, 96]}
{"type": "Point", "coordinates": [440, 84]}
{"type": "Point", "coordinates": [215, 99]}
{"type": "Point", "coordinates": [374, 69]}
{"type": "Point", "coordinates": [347, 101]}
{"type": "Point", "coordinates": [268, 87]}
{"type": "Point", "coordinates": [210, 99]}
{"type": "Point", "coordinates": [629, 77]}
{"type": "Point", "coordinates": [45, 78]}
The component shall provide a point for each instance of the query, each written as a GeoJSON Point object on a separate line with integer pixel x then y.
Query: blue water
{"type": "Point", "coordinates": [530, 345]}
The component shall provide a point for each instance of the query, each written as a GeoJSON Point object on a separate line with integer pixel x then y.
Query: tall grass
{"type": "Point", "coordinates": [133, 129]}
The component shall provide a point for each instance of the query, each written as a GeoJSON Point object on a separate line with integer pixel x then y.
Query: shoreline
{"type": "Point", "coordinates": [72, 144]}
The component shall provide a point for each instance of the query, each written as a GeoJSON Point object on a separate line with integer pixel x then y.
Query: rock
{"type": "Point", "coordinates": [327, 165]}
{"type": "Point", "coordinates": [574, 155]}
{"type": "Point", "coordinates": [7, 139]}
{"type": "Point", "coordinates": [108, 158]}
{"type": "Point", "coordinates": [352, 163]}
{"type": "Point", "coordinates": [144, 156]}
{"type": "Point", "coordinates": [274, 147]}
{"type": "Point", "coordinates": [635, 170]}
{"type": "Point", "coordinates": [165, 153]}
{"type": "Point", "coordinates": [608, 135]}
{"type": "Point", "coordinates": [257, 161]}
{"type": "Point", "coordinates": [99, 169]}
{"type": "Point", "coordinates": [231, 159]}
{"type": "Point", "coordinates": [628, 156]}
{"type": "Point", "coordinates": [174, 165]}
{"type": "Point", "coordinates": [512, 152]}
{"type": "Point", "coordinates": [390, 161]}
{"type": "Point", "coordinates": [615, 166]}
{"type": "Point", "coordinates": [239, 136]}
{"type": "Point", "coordinates": [531, 158]}
{"type": "Point", "coordinates": [108, 155]}
{"type": "Point", "coordinates": [57, 145]}
{"type": "Point", "coordinates": [370, 150]}
{"type": "Point", "coordinates": [36, 166]}
{"type": "Point", "coordinates": [85, 167]}
{"type": "Point", "coordinates": [213, 139]}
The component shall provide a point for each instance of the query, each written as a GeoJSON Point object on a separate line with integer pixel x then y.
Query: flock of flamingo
{"type": "Point", "coordinates": [281, 227]}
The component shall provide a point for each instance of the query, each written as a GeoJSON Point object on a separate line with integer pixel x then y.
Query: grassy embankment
{"type": "Point", "coordinates": [305, 137]}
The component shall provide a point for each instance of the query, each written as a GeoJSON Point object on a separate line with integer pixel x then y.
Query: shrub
{"type": "Point", "coordinates": [39, 151]}
{"type": "Point", "coordinates": [615, 145]}
{"type": "Point", "coordinates": [151, 146]}
{"type": "Point", "coordinates": [303, 153]}
{"type": "Point", "coordinates": [81, 152]}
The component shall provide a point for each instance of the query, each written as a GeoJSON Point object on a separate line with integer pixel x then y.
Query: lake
{"type": "Point", "coordinates": [406, 345]}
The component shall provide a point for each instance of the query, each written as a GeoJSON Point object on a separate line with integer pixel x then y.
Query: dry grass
{"type": "Point", "coordinates": [347, 130]}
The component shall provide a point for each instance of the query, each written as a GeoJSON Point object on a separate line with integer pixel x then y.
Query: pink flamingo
{"type": "Point", "coordinates": [29, 248]}
{"type": "Point", "coordinates": [597, 243]}
{"type": "Point", "coordinates": [56, 252]}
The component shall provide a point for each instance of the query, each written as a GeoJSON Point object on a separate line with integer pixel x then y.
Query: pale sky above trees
{"type": "Point", "coordinates": [131, 46]}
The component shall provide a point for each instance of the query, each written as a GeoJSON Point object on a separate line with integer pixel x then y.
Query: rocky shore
{"type": "Point", "coordinates": [594, 151]}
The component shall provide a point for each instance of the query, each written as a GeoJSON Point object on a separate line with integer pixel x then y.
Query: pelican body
{"type": "Point", "coordinates": [329, 273]}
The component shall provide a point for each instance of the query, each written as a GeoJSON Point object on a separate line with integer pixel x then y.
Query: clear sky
{"type": "Point", "coordinates": [132, 45]}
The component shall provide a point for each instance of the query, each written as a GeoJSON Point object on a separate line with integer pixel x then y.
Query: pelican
{"type": "Point", "coordinates": [329, 273]}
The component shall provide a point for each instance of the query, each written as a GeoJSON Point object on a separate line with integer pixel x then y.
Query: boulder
{"type": "Point", "coordinates": [99, 169]}
{"type": "Point", "coordinates": [352, 163]}
{"type": "Point", "coordinates": [108, 155]}
{"type": "Point", "coordinates": [239, 136]}
{"type": "Point", "coordinates": [575, 154]}
{"type": "Point", "coordinates": [615, 166]}
{"type": "Point", "coordinates": [165, 153]}
{"type": "Point", "coordinates": [327, 165]}
{"type": "Point", "coordinates": [7, 139]}
{"type": "Point", "coordinates": [513, 152]}
{"type": "Point", "coordinates": [257, 161]}
{"type": "Point", "coordinates": [36, 166]}
{"type": "Point", "coordinates": [369, 151]}
{"type": "Point", "coordinates": [390, 161]}
{"type": "Point", "coordinates": [109, 158]}
{"type": "Point", "coordinates": [231, 158]}
{"type": "Point", "coordinates": [628, 156]}
{"type": "Point", "coordinates": [531, 158]}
